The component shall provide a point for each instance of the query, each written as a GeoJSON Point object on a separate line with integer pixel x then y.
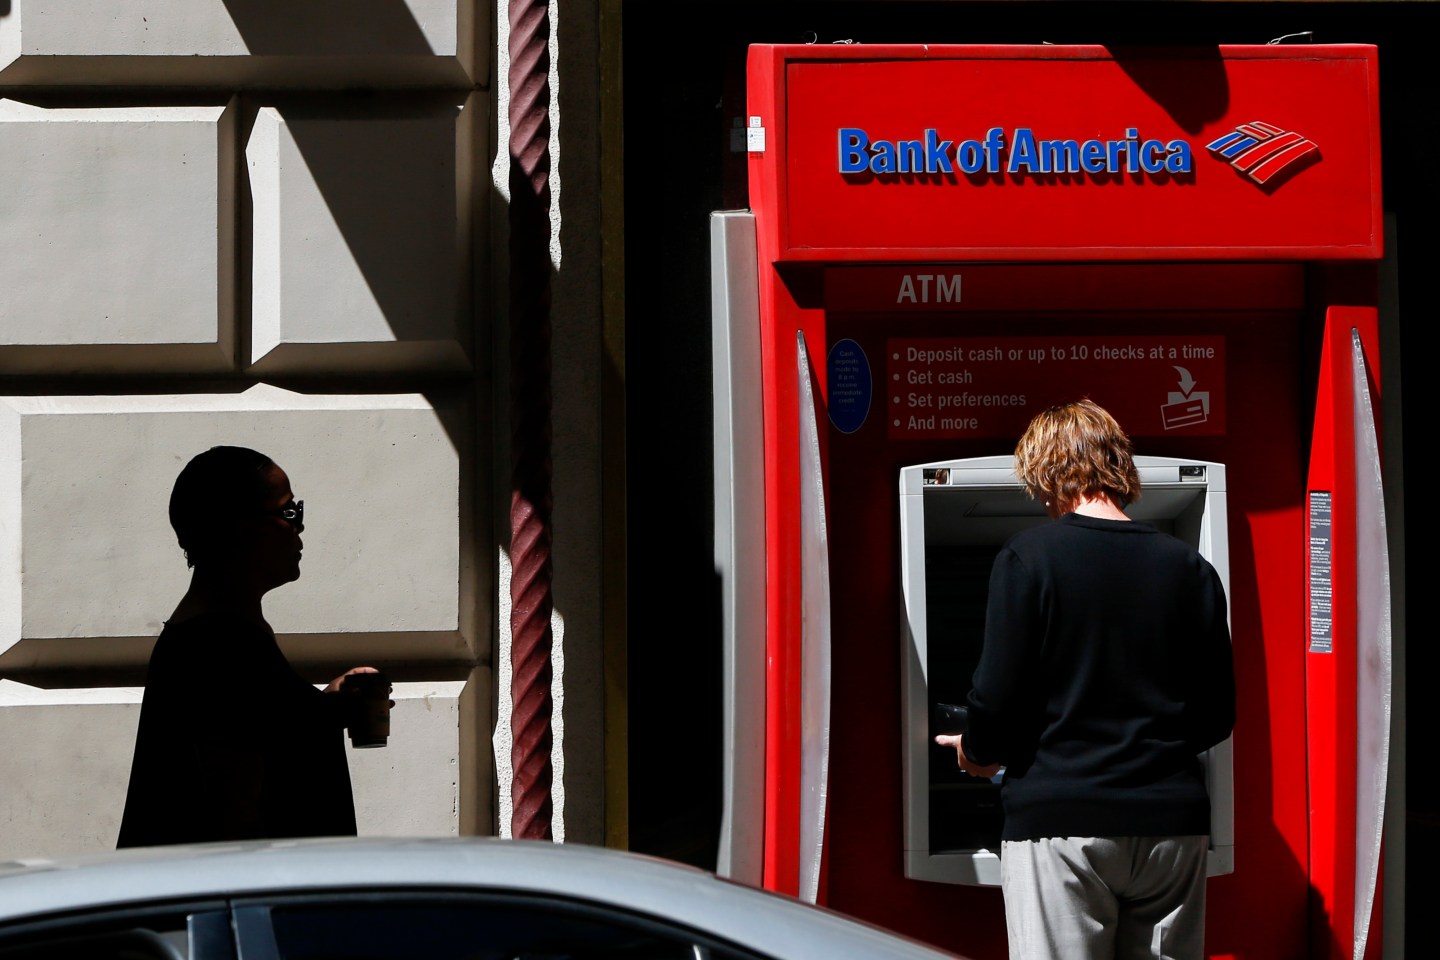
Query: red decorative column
{"type": "Point", "coordinates": [530, 495]}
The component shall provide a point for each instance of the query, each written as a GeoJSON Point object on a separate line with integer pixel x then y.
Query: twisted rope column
{"type": "Point", "coordinates": [530, 491]}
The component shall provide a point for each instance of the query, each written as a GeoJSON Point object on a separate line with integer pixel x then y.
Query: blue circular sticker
{"type": "Point", "coordinates": [848, 372]}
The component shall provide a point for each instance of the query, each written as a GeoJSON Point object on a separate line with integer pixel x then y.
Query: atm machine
{"type": "Point", "coordinates": [954, 517]}
{"type": "Point", "coordinates": [944, 240]}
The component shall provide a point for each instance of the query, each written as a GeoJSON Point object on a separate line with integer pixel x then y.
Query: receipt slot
{"type": "Point", "coordinates": [954, 517]}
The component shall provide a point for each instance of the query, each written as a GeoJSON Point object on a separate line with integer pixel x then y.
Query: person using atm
{"type": "Point", "coordinates": [1105, 671]}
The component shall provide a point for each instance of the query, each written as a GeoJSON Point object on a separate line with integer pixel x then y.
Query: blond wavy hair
{"type": "Point", "coordinates": [1076, 450]}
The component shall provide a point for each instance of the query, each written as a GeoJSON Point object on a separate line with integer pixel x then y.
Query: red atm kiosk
{"type": "Point", "coordinates": [944, 240]}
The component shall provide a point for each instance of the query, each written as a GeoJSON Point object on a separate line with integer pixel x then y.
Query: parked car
{"type": "Point", "coordinates": [455, 899]}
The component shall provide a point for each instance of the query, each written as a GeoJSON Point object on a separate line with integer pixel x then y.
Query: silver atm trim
{"type": "Point", "coordinates": [739, 538]}
{"type": "Point", "coordinates": [814, 635]}
{"type": "Point", "coordinates": [1374, 646]}
{"type": "Point", "coordinates": [1166, 482]}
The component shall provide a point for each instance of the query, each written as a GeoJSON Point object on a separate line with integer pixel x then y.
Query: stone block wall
{"type": "Point", "coordinates": [254, 223]}
{"type": "Point", "coordinates": [320, 43]}
{"type": "Point", "coordinates": [118, 227]}
{"type": "Point", "coordinates": [68, 759]}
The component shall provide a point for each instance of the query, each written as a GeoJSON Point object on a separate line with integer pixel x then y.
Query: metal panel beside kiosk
{"type": "Point", "coordinates": [954, 517]}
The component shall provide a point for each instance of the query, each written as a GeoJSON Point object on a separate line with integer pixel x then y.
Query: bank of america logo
{"type": "Point", "coordinates": [1265, 154]}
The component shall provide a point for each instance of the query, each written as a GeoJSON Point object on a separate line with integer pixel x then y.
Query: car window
{"type": "Point", "coordinates": [461, 929]}
{"type": "Point", "coordinates": [172, 933]}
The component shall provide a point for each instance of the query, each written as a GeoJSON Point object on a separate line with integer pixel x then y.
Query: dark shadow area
{"type": "Point", "coordinates": [673, 599]}
{"type": "Point", "coordinates": [328, 28]}
{"type": "Point", "coordinates": [397, 234]}
{"type": "Point", "coordinates": [407, 230]}
{"type": "Point", "coordinates": [1192, 97]}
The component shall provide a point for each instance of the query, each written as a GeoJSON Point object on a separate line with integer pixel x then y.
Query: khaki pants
{"type": "Point", "coordinates": [1105, 898]}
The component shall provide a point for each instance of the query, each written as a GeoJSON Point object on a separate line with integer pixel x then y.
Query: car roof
{"type": "Point", "coordinates": [770, 923]}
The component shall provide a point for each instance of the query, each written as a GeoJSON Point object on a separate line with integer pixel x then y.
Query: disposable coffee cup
{"type": "Point", "coordinates": [370, 713]}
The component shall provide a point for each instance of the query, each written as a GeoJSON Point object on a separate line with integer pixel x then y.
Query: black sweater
{"type": "Point", "coordinates": [233, 743]}
{"type": "Point", "coordinates": [1106, 669]}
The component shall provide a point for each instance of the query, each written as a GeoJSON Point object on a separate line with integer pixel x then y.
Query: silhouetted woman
{"type": "Point", "coordinates": [233, 743]}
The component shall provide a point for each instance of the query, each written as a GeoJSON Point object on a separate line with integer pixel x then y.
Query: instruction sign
{"type": "Point", "coordinates": [989, 387]}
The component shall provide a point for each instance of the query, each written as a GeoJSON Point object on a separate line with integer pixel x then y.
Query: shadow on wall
{"type": "Point", "coordinates": [393, 200]}
{"type": "Point", "coordinates": [390, 187]}
{"type": "Point", "coordinates": [324, 27]}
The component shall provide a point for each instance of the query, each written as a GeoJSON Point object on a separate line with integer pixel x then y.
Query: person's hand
{"type": "Point", "coordinates": [353, 707]}
{"type": "Point", "coordinates": [335, 684]}
{"type": "Point", "coordinates": [965, 763]}
{"type": "Point", "coordinates": [338, 683]}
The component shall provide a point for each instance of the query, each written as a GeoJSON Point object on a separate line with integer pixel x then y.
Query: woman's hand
{"type": "Point", "coordinates": [965, 763]}
{"type": "Point", "coordinates": [351, 704]}
{"type": "Point", "coordinates": [334, 686]}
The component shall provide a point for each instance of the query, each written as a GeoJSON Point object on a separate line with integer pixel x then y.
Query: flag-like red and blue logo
{"type": "Point", "coordinates": [1265, 154]}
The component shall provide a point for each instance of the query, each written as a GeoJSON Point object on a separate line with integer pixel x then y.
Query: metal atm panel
{"type": "Point", "coordinates": [954, 517]}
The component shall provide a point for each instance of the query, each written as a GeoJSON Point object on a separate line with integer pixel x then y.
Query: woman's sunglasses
{"type": "Point", "coordinates": [292, 513]}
